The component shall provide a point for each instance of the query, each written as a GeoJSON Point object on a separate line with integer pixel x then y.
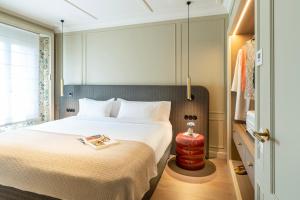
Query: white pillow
{"type": "Point", "coordinates": [94, 109]}
{"type": "Point", "coordinates": [155, 111]}
{"type": "Point", "coordinates": [164, 111]}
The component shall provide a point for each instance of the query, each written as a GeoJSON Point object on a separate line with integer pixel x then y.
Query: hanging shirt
{"type": "Point", "coordinates": [242, 104]}
{"type": "Point", "coordinates": [250, 67]}
{"type": "Point", "coordinates": [243, 63]}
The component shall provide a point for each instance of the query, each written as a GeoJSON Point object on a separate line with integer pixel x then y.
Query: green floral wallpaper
{"type": "Point", "coordinates": [44, 79]}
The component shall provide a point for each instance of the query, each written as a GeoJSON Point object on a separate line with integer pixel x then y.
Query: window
{"type": "Point", "coordinates": [19, 75]}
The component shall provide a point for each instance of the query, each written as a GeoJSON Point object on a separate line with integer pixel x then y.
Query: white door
{"type": "Point", "coordinates": [277, 168]}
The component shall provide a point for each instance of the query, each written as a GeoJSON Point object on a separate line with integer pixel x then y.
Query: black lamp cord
{"type": "Point", "coordinates": [188, 3]}
{"type": "Point", "coordinates": [62, 47]}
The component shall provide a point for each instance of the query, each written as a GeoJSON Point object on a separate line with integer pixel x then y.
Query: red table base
{"type": "Point", "coordinates": [190, 151]}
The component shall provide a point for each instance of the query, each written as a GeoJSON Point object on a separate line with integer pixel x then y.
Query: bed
{"type": "Point", "coordinates": [48, 161]}
{"type": "Point", "coordinates": [52, 152]}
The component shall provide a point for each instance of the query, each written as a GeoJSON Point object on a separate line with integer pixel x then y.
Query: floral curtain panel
{"type": "Point", "coordinates": [44, 79]}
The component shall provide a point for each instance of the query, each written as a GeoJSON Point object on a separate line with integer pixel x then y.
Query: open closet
{"type": "Point", "coordinates": [241, 97]}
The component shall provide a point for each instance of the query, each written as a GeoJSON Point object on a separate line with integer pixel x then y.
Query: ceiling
{"type": "Point", "coordinates": [91, 14]}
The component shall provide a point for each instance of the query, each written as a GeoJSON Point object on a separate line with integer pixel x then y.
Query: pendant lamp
{"type": "Point", "coordinates": [62, 59]}
{"type": "Point", "coordinates": [189, 95]}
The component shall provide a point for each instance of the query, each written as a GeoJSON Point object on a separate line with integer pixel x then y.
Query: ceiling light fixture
{"type": "Point", "coordinates": [189, 95]}
{"type": "Point", "coordinates": [82, 10]}
{"type": "Point", "coordinates": [242, 17]}
{"type": "Point", "coordinates": [148, 5]}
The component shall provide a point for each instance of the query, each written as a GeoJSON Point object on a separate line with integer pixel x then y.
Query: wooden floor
{"type": "Point", "coordinates": [220, 188]}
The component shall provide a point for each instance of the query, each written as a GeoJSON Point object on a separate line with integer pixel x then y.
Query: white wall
{"type": "Point", "coordinates": [154, 54]}
{"type": "Point", "coordinates": [131, 54]}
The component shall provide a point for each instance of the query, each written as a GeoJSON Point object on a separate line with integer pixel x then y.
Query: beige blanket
{"type": "Point", "coordinates": [60, 166]}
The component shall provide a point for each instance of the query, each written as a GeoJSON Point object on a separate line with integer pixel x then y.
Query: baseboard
{"type": "Point", "coordinates": [214, 153]}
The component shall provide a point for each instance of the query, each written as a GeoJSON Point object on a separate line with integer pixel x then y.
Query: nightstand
{"type": "Point", "coordinates": [190, 151]}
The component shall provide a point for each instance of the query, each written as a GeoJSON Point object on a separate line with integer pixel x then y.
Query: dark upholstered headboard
{"type": "Point", "coordinates": [176, 94]}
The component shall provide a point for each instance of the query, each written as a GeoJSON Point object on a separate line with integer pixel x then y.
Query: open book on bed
{"type": "Point", "coordinates": [98, 141]}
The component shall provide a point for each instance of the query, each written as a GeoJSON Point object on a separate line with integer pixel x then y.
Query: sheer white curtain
{"type": "Point", "coordinates": [19, 75]}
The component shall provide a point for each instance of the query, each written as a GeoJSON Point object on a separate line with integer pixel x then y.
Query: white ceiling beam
{"type": "Point", "coordinates": [81, 9]}
{"type": "Point", "coordinates": [148, 6]}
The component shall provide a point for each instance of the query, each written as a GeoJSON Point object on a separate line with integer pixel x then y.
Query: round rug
{"type": "Point", "coordinates": [203, 175]}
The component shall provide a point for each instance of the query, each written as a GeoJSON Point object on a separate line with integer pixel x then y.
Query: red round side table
{"type": "Point", "coordinates": [190, 151]}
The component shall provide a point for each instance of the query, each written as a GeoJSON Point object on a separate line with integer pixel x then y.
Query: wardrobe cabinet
{"type": "Point", "coordinates": [245, 146]}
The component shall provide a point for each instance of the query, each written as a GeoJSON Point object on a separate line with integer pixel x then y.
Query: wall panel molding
{"type": "Point", "coordinates": [217, 116]}
{"type": "Point", "coordinates": [167, 60]}
{"type": "Point", "coordinates": [135, 56]}
{"type": "Point", "coordinates": [217, 122]}
{"type": "Point", "coordinates": [84, 65]}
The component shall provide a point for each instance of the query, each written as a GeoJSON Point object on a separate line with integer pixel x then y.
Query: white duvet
{"type": "Point", "coordinates": [157, 135]}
